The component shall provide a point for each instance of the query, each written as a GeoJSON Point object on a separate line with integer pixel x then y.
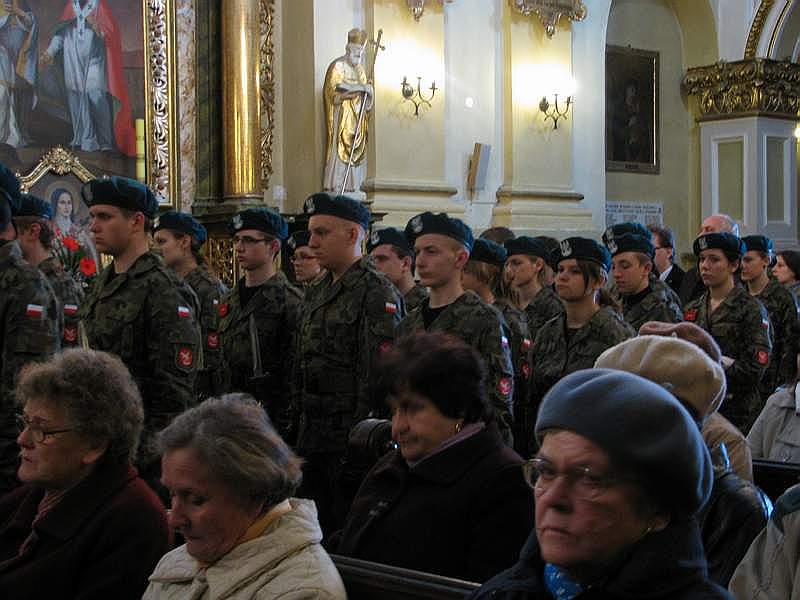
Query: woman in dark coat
{"type": "Point", "coordinates": [451, 499]}
{"type": "Point", "coordinates": [620, 474]}
{"type": "Point", "coordinates": [83, 525]}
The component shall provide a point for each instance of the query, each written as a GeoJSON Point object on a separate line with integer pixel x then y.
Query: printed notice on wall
{"type": "Point", "coordinates": [640, 212]}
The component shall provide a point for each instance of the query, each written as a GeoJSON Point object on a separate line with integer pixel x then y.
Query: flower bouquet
{"type": "Point", "coordinates": [77, 261]}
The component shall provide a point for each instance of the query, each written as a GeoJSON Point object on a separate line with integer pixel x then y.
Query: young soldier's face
{"type": "Point", "coordinates": [630, 274]}
{"type": "Point", "coordinates": [253, 248]}
{"type": "Point", "coordinates": [387, 261]}
{"type": "Point", "coordinates": [306, 266]}
{"type": "Point", "coordinates": [331, 240]}
{"type": "Point", "coordinates": [715, 268]}
{"type": "Point", "coordinates": [111, 229]}
{"type": "Point", "coordinates": [521, 269]}
{"type": "Point", "coordinates": [753, 264]}
{"type": "Point", "coordinates": [439, 259]}
{"type": "Point", "coordinates": [168, 245]}
{"type": "Point", "coordinates": [570, 284]}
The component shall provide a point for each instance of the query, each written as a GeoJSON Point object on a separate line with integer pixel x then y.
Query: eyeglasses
{"type": "Point", "coordinates": [247, 240]}
{"type": "Point", "coordinates": [540, 474]}
{"type": "Point", "coordinates": [39, 434]}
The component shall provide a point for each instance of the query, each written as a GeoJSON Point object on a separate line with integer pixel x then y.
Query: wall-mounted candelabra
{"type": "Point", "coordinates": [416, 96]}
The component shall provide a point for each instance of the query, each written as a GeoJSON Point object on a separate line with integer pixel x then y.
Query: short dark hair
{"type": "Point", "coordinates": [444, 369]}
{"type": "Point", "coordinates": [46, 233]}
{"type": "Point", "coordinates": [792, 260]}
{"type": "Point", "coordinates": [404, 252]}
{"type": "Point", "coordinates": [499, 235]}
{"type": "Point", "coordinates": [666, 239]}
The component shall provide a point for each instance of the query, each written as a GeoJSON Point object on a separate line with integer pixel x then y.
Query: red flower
{"type": "Point", "coordinates": [88, 267]}
{"type": "Point", "coordinates": [71, 244]}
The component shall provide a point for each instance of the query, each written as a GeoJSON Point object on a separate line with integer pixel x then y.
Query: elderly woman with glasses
{"type": "Point", "coordinates": [620, 474]}
{"type": "Point", "coordinates": [83, 524]}
{"type": "Point", "coordinates": [231, 477]}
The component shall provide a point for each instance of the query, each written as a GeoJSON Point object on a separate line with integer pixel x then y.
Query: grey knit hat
{"type": "Point", "coordinates": [642, 427]}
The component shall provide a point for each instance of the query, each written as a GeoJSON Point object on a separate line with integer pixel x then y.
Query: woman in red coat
{"type": "Point", "coordinates": [83, 525]}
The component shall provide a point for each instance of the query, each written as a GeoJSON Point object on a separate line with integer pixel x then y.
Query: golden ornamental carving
{"type": "Point", "coordinates": [757, 27]}
{"type": "Point", "coordinates": [267, 85]}
{"type": "Point", "coordinates": [758, 86]}
{"type": "Point", "coordinates": [59, 161]}
{"type": "Point", "coordinates": [222, 259]}
{"type": "Point", "coordinates": [551, 11]}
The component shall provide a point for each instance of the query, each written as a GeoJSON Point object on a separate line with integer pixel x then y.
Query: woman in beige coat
{"type": "Point", "coordinates": [230, 478]}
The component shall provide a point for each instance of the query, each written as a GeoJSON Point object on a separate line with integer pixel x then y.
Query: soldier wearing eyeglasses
{"type": "Point", "coordinates": [258, 318]}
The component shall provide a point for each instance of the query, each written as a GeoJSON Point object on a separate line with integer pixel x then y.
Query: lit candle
{"type": "Point", "coordinates": [141, 171]}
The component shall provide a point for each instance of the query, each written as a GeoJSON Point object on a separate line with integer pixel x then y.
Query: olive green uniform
{"type": "Point", "coordinates": [656, 305]}
{"type": "Point", "coordinates": [782, 310]}
{"type": "Point", "coordinates": [740, 325]}
{"type": "Point", "coordinates": [29, 331]}
{"type": "Point", "coordinates": [70, 296]}
{"type": "Point", "coordinates": [209, 291]}
{"type": "Point", "coordinates": [544, 306]}
{"type": "Point", "coordinates": [415, 297]}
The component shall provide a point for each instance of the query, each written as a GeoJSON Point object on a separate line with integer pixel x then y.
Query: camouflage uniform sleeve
{"type": "Point", "coordinates": [790, 338]}
{"type": "Point", "coordinates": [755, 345]}
{"type": "Point", "coordinates": [495, 350]}
{"type": "Point", "coordinates": [289, 371]}
{"type": "Point", "coordinates": [172, 335]}
{"type": "Point", "coordinates": [382, 313]}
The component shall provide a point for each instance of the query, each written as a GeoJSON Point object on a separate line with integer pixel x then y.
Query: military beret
{"type": "Point", "coordinates": [760, 243]}
{"type": "Point", "coordinates": [33, 206]}
{"type": "Point", "coordinates": [583, 249]}
{"type": "Point", "coordinates": [182, 222]}
{"type": "Point", "coordinates": [528, 245]}
{"type": "Point", "coordinates": [9, 187]}
{"type": "Point", "coordinates": [5, 212]}
{"type": "Point", "coordinates": [629, 227]}
{"type": "Point", "coordinates": [388, 235]}
{"type": "Point", "coordinates": [641, 426]}
{"type": "Point", "coordinates": [487, 251]}
{"type": "Point", "coordinates": [344, 207]}
{"type": "Point", "coordinates": [630, 242]}
{"type": "Point", "coordinates": [730, 244]}
{"type": "Point", "coordinates": [121, 192]}
{"type": "Point", "coordinates": [441, 223]}
{"type": "Point", "coordinates": [260, 219]}
{"type": "Point", "coordinates": [298, 239]}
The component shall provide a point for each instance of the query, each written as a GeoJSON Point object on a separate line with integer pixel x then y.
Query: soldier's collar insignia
{"type": "Point", "coordinates": [612, 246]}
{"type": "Point", "coordinates": [237, 222]}
{"type": "Point", "coordinates": [310, 207]}
{"type": "Point", "coordinates": [609, 234]}
{"type": "Point", "coordinates": [703, 243]}
{"type": "Point", "coordinates": [292, 243]}
{"type": "Point", "coordinates": [374, 238]}
{"type": "Point", "coordinates": [416, 224]}
{"type": "Point", "coordinates": [566, 248]}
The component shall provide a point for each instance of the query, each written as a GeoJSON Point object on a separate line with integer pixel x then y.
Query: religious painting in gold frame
{"type": "Point", "coordinates": [632, 110]}
{"type": "Point", "coordinates": [111, 100]}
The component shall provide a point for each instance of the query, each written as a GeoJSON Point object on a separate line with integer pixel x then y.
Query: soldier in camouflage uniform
{"type": "Point", "coordinates": [259, 318]}
{"type": "Point", "coordinates": [140, 310]}
{"type": "Point", "coordinates": [483, 274]}
{"type": "Point", "coordinates": [632, 257]}
{"type": "Point", "coordinates": [526, 267]}
{"type": "Point", "coordinates": [348, 321]}
{"type": "Point", "coordinates": [782, 310]}
{"type": "Point", "coordinates": [307, 271]}
{"type": "Point", "coordinates": [737, 321]}
{"type": "Point", "coordinates": [35, 236]}
{"type": "Point", "coordinates": [28, 324]}
{"type": "Point", "coordinates": [442, 246]}
{"type": "Point", "coordinates": [393, 255]}
{"type": "Point", "coordinates": [574, 340]}
{"type": "Point", "coordinates": [179, 238]}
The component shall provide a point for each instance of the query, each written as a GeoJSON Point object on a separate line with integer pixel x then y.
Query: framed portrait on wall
{"type": "Point", "coordinates": [632, 110]}
{"type": "Point", "coordinates": [95, 78]}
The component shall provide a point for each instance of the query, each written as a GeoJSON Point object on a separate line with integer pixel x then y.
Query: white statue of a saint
{"type": "Point", "coordinates": [346, 87]}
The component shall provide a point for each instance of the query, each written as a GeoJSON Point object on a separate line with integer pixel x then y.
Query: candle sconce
{"type": "Point", "coordinates": [553, 111]}
{"type": "Point", "coordinates": [415, 95]}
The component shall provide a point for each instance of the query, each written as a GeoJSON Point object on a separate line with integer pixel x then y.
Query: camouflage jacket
{"type": "Point", "coordinates": [148, 317]}
{"type": "Point", "coordinates": [558, 352]}
{"type": "Point", "coordinates": [29, 331]}
{"type": "Point", "coordinates": [274, 310]}
{"type": "Point", "coordinates": [415, 297]}
{"type": "Point", "coordinates": [482, 327]}
{"type": "Point", "coordinates": [209, 291]}
{"type": "Point", "coordinates": [662, 287]}
{"type": "Point", "coordinates": [544, 306]}
{"type": "Point", "coordinates": [345, 326]}
{"type": "Point", "coordinates": [782, 309]}
{"type": "Point", "coordinates": [521, 350]}
{"type": "Point", "coordinates": [740, 326]}
{"type": "Point", "coordinates": [70, 296]}
{"type": "Point", "coordinates": [657, 305]}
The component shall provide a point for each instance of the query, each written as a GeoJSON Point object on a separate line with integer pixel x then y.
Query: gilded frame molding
{"type": "Point", "coordinates": [757, 27]}
{"type": "Point", "coordinates": [267, 87]}
{"type": "Point", "coordinates": [58, 160]}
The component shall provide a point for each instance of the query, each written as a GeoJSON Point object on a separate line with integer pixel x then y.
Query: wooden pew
{"type": "Point", "coordinates": [366, 580]}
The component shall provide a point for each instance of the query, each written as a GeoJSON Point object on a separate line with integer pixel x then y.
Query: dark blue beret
{"type": "Point", "coordinates": [388, 235]}
{"type": "Point", "coordinates": [487, 251]}
{"type": "Point", "coordinates": [630, 242]}
{"type": "Point", "coordinates": [260, 219]}
{"type": "Point", "coordinates": [9, 187]}
{"type": "Point", "coordinates": [641, 426]}
{"type": "Point", "coordinates": [122, 193]}
{"type": "Point", "coordinates": [33, 206]}
{"type": "Point", "coordinates": [427, 222]}
{"type": "Point", "coordinates": [344, 207]}
{"type": "Point", "coordinates": [182, 222]}
{"type": "Point", "coordinates": [629, 227]}
{"type": "Point", "coordinates": [760, 243]}
{"type": "Point", "coordinates": [583, 249]}
{"type": "Point", "coordinates": [298, 239]}
{"type": "Point", "coordinates": [528, 245]}
{"type": "Point", "coordinates": [730, 244]}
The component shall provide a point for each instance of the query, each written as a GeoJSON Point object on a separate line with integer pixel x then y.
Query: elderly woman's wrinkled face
{"type": "Point", "coordinates": [418, 426]}
{"type": "Point", "coordinates": [52, 455]}
{"type": "Point", "coordinates": [584, 524]}
{"type": "Point", "coordinates": [204, 511]}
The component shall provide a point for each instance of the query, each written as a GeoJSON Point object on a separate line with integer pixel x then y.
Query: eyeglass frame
{"type": "Point", "coordinates": [574, 475]}
{"type": "Point", "coordinates": [37, 432]}
{"type": "Point", "coordinates": [250, 241]}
